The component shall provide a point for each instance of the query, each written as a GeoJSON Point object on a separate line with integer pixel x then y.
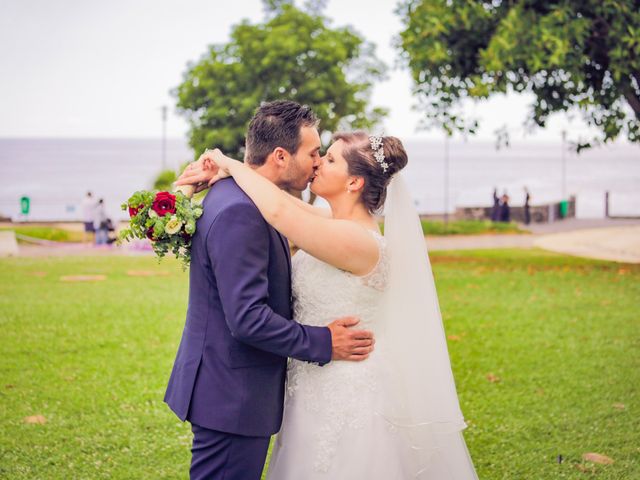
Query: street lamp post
{"type": "Point", "coordinates": [164, 137]}
{"type": "Point", "coordinates": [446, 181]}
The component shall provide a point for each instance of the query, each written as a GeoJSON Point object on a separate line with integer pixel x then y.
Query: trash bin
{"type": "Point", "coordinates": [25, 203]}
{"type": "Point", "coordinates": [564, 208]}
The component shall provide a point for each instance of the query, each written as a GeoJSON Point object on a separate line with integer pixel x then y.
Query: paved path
{"type": "Point", "coordinates": [606, 239]}
{"type": "Point", "coordinates": [620, 244]}
{"type": "Point", "coordinates": [8, 244]}
{"type": "Point", "coordinates": [473, 242]}
{"type": "Point", "coordinates": [65, 250]}
{"type": "Point", "coordinates": [572, 224]}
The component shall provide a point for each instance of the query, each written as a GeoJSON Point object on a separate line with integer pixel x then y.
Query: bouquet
{"type": "Point", "coordinates": [167, 219]}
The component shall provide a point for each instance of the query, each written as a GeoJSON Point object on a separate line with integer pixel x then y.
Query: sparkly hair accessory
{"type": "Point", "coordinates": [378, 152]}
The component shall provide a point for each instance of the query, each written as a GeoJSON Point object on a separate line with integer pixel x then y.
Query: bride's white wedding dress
{"type": "Point", "coordinates": [339, 420]}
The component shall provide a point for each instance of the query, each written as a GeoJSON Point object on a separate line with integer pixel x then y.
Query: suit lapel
{"type": "Point", "coordinates": [287, 253]}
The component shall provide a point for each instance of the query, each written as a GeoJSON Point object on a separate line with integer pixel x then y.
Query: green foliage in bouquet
{"type": "Point", "coordinates": [167, 219]}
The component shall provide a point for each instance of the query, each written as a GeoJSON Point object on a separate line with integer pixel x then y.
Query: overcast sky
{"type": "Point", "coordinates": [95, 68]}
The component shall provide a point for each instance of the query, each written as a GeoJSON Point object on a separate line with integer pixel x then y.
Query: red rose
{"type": "Point", "coordinates": [133, 211]}
{"type": "Point", "coordinates": [150, 234]}
{"type": "Point", "coordinates": [164, 203]}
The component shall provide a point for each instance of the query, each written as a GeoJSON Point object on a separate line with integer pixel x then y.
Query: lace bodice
{"type": "Point", "coordinates": [322, 293]}
{"type": "Point", "coordinates": [334, 392]}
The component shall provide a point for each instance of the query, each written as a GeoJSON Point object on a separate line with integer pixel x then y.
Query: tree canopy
{"type": "Point", "coordinates": [294, 54]}
{"type": "Point", "coordinates": [574, 56]}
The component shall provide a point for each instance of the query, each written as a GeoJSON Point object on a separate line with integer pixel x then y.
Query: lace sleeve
{"type": "Point", "coordinates": [378, 276]}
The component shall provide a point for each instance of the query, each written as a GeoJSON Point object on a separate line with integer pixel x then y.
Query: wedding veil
{"type": "Point", "coordinates": [424, 406]}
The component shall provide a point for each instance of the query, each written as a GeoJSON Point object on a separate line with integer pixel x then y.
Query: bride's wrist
{"type": "Point", "coordinates": [232, 165]}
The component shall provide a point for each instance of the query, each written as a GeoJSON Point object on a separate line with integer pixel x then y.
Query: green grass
{"type": "Point", "coordinates": [467, 227]}
{"type": "Point", "coordinates": [47, 233]}
{"type": "Point", "coordinates": [561, 334]}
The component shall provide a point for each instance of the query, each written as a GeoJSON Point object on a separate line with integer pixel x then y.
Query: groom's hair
{"type": "Point", "coordinates": [276, 124]}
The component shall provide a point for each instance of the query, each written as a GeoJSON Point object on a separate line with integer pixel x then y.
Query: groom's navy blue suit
{"type": "Point", "coordinates": [229, 373]}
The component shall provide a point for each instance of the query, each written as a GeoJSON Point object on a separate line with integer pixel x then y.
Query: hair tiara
{"type": "Point", "coordinates": [378, 152]}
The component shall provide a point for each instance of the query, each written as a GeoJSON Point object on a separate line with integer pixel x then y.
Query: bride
{"type": "Point", "coordinates": [395, 415]}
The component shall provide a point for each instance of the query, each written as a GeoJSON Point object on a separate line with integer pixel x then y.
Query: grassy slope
{"type": "Point", "coordinates": [561, 334]}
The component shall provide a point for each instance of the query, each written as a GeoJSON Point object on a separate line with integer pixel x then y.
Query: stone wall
{"type": "Point", "coordinates": [539, 213]}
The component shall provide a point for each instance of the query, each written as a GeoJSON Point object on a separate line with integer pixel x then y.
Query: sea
{"type": "Point", "coordinates": [55, 174]}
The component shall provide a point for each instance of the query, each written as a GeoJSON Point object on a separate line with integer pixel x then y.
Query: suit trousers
{"type": "Point", "coordinates": [225, 456]}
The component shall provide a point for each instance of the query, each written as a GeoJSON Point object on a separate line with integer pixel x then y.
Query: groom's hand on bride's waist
{"type": "Point", "coordinates": [349, 343]}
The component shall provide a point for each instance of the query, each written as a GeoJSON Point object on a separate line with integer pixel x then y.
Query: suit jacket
{"type": "Point", "coordinates": [230, 368]}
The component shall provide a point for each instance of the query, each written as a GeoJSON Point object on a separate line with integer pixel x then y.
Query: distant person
{"type": "Point", "coordinates": [88, 207]}
{"type": "Point", "coordinates": [111, 228]}
{"type": "Point", "coordinates": [527, 208]}
{"type": "Point", "coordinates": [100, 223]}
{"type": "Point", "coordinates": [495, 210]}
{"type": "Point", "coordinates": [505, 209]}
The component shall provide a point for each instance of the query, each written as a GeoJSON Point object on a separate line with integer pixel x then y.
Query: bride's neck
{"type": "Point", "coordinates": [347, 209]}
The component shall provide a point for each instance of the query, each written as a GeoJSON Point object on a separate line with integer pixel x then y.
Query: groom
{"type": "Point", "coordinates": [229, 373]}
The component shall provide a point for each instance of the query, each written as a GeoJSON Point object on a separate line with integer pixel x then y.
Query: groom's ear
{"type": "Point", "coordinates": [281, 157]}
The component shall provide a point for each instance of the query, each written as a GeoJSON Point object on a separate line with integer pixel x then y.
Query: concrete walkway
{"type": "Point", "coordinates": [605, 239]}
{"type": "Point", "coordinates": [8, 244]}
{"type": "Point", "coordinates": [83, 249]}
{"type": "Point", "coordinates": [619, 244]}
{"type": "Point", "coordinates": [473, 242]}
{"type": "Point", "coordinates": [573, 224]}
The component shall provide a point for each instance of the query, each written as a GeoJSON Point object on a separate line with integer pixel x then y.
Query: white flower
{"type": "Point", "coordinates": [376, 142]}
{"type": "Point", "coordinates": [152, 213]}
{"type": "Point", "coordinates": [173, 225]}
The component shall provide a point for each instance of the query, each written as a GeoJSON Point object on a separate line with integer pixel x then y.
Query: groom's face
{"type": "Point", "coordinates": [302, 164]}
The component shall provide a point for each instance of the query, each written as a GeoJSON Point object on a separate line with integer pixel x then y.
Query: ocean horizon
{"type": "Point", "coordinates": [56, 173]}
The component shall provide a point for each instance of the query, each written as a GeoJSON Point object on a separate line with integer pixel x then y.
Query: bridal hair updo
{"type": "Point", "coordinates": [361, 162]}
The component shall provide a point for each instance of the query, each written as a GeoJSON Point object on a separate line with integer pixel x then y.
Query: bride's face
{"type": "Point", "coordinates": [332, 174]}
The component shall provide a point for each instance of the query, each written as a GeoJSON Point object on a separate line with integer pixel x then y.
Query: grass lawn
{"type": "Point", "coordinates": [468, 227]}
{"type": "Point", "coordinates": [544, 350]}
{"type": "Point", "coordinates": [429, 227]}
{"type": "Point", "coordinates": [46, 233]}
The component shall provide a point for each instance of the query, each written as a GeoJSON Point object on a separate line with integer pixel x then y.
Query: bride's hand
{"type": "Point", "coordinates": [218, 162]}
{"type": "Point", "coordinates": [202, 173]}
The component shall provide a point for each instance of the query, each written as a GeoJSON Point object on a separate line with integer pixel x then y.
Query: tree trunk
{"type": "Point", "coordinates": [632, 97]}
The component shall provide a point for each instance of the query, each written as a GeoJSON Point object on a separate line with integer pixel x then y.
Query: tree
{"type": "Point", "coordinates": [164, 180]}
{"type": "Point", "coordinates": [292, 55]}
{"type": "Point", "coordinates": [574, 56]}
